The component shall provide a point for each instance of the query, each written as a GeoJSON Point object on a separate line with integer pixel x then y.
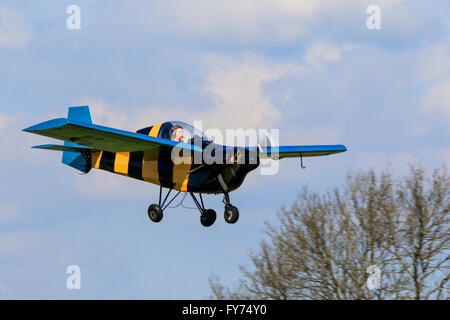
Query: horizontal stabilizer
{"type": "Point", "coordinates": [64, 148]}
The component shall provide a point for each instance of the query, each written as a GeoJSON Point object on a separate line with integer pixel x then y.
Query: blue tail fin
{"type": "Point", "coordinates": [78, 160]}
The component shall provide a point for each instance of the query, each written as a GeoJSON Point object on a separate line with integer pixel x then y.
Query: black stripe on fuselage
{"type": "Point", "coordinates": [165, 164]}
{"type": "Point", "coordinates": [135, 164]}
{"type": "Point", "coordinates": [107, 161]}
{"type": "Point", "coordinates": [137, 158]}
{"type": "Point", "coordinates": [165, 169]}
{"type": "Point", "coordinates": [145, 131]}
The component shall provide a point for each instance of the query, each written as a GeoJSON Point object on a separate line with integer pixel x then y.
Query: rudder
{"type": "Point", "coordinates": [78, 160]}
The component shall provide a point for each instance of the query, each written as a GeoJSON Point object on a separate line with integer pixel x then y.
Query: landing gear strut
{"type": "Point", "coordinates": [207, 216]}
{"type": "Point", "coordinates": [155, 211]}
{"type": "Point", "coordinates": [231, 213]}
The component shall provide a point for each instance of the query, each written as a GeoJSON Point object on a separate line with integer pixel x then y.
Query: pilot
{"type": "Point", "coordinates": [176, 133]}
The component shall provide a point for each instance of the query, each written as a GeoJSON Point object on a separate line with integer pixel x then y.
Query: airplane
{"type": "Point", "coordinates": [146, 154]}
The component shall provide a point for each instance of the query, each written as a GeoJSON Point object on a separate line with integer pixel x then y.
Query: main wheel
{"type": "Point", "coordinates": [208, 217]}
{"type": "Point", "coordinates": [231, 213]}
{"type": "Point", "coordinates": [155, 213]}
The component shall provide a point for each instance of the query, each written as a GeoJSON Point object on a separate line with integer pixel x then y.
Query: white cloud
{"type": "Point", "coordinates": [13, 33]}
{"type": "Point", "coordinates": [258, 21]}
{"type": "Point", "coordinates": [101, 112]}
{"type": "Point", "coordinates": [236, 83]}
{"type": "Point", "coordinates": [435, 60]}
{"type": "Point", "coordinates": [398, 162]}
{"type": "Point", "coordinates": [437, 99]}
{"type": "Point", "coordinates": [3, 121]}
{"type": "Point", "coordinates": [320, 53]}
{"type": "Point", "coordinates": [238, 87]}
{"type": "Point", "coordinates": [433, 71]}
{"type": "Point", "coordinates": [307, 135]}
{"type": "Point", "coordinates": [281, 22]}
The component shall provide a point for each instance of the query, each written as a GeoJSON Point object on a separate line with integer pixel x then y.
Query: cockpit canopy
{"type": "Point", "coordinates": [189, 132]}
{"type": "Point", "coordinates": [166, 131]}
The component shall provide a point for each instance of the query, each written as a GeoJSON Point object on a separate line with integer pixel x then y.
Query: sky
{"type": "Point", "coordinates": [311, 69]}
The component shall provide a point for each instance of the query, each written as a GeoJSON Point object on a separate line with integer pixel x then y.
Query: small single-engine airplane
{"type": "Point", "coordinates": [147, 154]}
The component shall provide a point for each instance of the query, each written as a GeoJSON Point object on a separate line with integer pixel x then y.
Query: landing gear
{"type": "Point", "coordinates": [207, 216]}
{"type": "Point", "coordinates": [155, 211]}
{"type": "Point", "coordinates": [231, 213]}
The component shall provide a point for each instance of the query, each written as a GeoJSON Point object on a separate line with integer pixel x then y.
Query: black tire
{"type": "Point", "coordinates": [231, 214]}
{"type": "Point", "coordinates": [208, 218]}
{"type": "Point", "coordinates": [155, 213]}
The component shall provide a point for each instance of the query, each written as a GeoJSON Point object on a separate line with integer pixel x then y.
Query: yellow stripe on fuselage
{"type": "Point", "coordinates": [155, 130]}
{"type": "Point", "coordinates": [150, 166]}
{"type": "Point", "coordinates": [150, 171]}
{"type": "Point", "coordinates": [121, 162]}
{"type": "Point", "coordinates": [96, 156]}
{"type": "Point", "coordinates": [150, 162]}
{"type": "Point", "coordinates": [181, 176]}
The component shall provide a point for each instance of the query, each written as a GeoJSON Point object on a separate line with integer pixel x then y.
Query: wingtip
{"type": "Point", "coordinates": [46, 125]}
{"type": "Point", "coordinates": [29, 129]}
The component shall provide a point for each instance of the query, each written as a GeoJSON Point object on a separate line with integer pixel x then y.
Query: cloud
{"type": "Point", "coordinates": [434, 61]}
{"type": "Point", "coordinates": [433, 72]}
{"type": "Point", "coordinates": [102, 112]}
{"type": "Point", "coordinates": [437, 100]}
{"type": "Point", "coordinates": [3, 121]}
{"type": "Point", "coordinates": [397, 161]}
{"type": "Point", "coordinates": [13, 33]}
{"type": "Point", "coordinates": [236, 84]}
{"type": "Point", "coordinates": [282, 22]}
{"type": "Point", "coordinates": [255, 21]}
{"type": "Point", "coordinates": [306, 135]}
{"type": "Point", "coordinates": [320, 53]}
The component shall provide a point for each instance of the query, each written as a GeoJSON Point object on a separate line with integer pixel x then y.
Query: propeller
{"type": "Point", "coordinates": [263, 141]}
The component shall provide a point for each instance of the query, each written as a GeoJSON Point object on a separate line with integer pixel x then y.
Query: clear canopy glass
{"type": "Point", "coordinates": [189, 132]}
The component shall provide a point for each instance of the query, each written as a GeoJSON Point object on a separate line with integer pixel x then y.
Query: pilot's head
{"type": "Point", "coordinates": [177, 133]}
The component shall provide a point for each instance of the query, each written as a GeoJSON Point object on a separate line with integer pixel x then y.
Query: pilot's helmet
{"type": "Point", "coordinates": [173, 131]}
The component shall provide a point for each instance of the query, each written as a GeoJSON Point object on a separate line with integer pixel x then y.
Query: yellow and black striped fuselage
{"type": "Point", "coordinates": [156, 167]}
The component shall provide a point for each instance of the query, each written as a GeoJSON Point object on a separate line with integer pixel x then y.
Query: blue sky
{"type": "Point", "coordinates": [310, 68]}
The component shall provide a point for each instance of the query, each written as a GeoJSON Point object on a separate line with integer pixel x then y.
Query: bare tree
{"type": "Point", "coordinates": [324, 244]}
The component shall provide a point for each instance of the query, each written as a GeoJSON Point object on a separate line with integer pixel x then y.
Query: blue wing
{"type": "Point", "coordinates": [101, 137]}
{"type": "Point", "coordinates": [280, 152]}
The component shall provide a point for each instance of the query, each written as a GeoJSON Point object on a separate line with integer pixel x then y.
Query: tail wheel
{"type": "Point", "coordinates": [231, 214]}
{"type": "Point", "coordinates": [155, 213]}
{"type": "Point", "coordinates": [208, 217]}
